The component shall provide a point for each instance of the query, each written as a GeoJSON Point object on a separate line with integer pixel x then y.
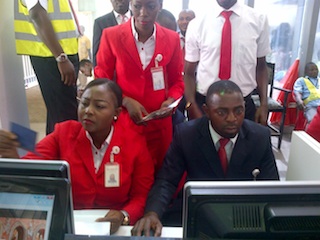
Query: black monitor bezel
{"type": "Point", "coordinates": [42, 168]}
{"type": "Point", "coordinates": [59, 187]}
{"type": "Point", "coordinates": [197, 193]}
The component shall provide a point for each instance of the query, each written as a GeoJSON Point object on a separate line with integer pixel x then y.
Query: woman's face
{"type": "Point", "coordinates": [145, 13]}
{"type": "Point", "coordinates": [97, 109]}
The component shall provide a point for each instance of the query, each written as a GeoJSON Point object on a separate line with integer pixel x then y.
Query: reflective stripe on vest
{"type": "Point", "coordinates": [314, 92]}
{"type": "Point", "coordinates": [27, 40]}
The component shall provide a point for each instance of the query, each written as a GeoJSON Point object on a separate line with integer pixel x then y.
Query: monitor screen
{"type": "Point", "coordinates": [33, 207]}
{"type": "Point", "coordinates": [251, 210]}
{"type": "Point", "coordinates": [50, 172]}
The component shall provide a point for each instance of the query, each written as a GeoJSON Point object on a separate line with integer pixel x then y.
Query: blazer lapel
{"type": "Point", "coordinates": [115, 141]}
{"type": "Point", "coordinates": [84, 153]}
{"type": "Point", "coordinates": [128, 43]}
{"type": "Point", "coordinates": [208, 149]}
{"type": "Point", "coordinates": [241, 149]}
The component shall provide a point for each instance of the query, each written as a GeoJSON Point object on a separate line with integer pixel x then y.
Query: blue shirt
{"type": "Point", "coordinates": [300, 87]}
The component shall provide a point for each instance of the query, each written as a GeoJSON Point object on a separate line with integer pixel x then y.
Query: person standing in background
{"type": "Point", "coordinates": [120, 14]}
{"type": "Point", "coordinates": [84, 45]}
{"type": "Point", "coordinates": [166, 19]}
{"type": "Point", "coordinates": [145, 60]}
{"type": "Point", "coordinates": [85, 71]}
{"type": "Point", "coordinates": [50, 39]}
{"type": "Point", "coordinates": [238, 35]}
{"type": "Point", "coordinates": [185, 16]}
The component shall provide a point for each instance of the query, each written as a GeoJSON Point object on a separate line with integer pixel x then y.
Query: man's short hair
{"type": "Point", "coordinates": [222, 87]}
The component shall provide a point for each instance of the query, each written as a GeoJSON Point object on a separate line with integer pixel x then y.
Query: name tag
{"type": "Point", "coordinates": [112, 175]}
{"type": "Point", "coordinates": [157, 78]}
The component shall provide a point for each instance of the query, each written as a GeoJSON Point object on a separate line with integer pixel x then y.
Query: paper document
{"type": "Point", "coordinates": [161, 112]}
{"type": "Point", "coordinates": [85, 222]}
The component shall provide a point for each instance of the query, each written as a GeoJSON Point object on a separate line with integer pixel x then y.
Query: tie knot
{"type": "Point", "coordinates": [226, 14]}
{"type": "Point", "coordinates": [223, 142]}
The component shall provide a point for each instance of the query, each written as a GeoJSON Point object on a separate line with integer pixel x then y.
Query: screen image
{"type": "Point", "coordinates": [33, 207]}
{"type": "Point", "coordinates": [251, 210]}
{"type": "Point", "coordinates": [56, 170]}
{"type": "Point", "coordinates": [25, 216]}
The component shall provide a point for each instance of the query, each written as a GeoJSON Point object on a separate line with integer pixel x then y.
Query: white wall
{"type": "Point", "coordinates": [13, 104]}
{"type": "Point", "coordinates": [304, 158]}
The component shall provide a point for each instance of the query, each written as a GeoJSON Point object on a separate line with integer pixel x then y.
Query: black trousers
{"type": "Point", "coordinates": [60, 99]}
{"type": "Point", "coordinates": [249, 104]}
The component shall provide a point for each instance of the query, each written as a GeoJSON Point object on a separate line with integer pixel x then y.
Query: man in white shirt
{"type": "Point", "coordinates": [249, 46]}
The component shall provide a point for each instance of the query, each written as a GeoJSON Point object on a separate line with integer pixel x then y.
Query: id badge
{"type": "Point", "coordinates": [157, 78]}
{"type": "Point", "coordinates": [112, 175]}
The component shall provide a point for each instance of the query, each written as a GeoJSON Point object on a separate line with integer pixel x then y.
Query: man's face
{"type": "Point", "coordinates": [312, 71]}
{"type": "Point", "coordinates": [145, 13]}
{"type": "Point", "coordinates": [184, 18]}
{"type": "Point", "coordinates": [120, 6]}
{"type": "Point", "coordinates": [226, 113]}
{"type": "Point", "coordinates": [226, 4]}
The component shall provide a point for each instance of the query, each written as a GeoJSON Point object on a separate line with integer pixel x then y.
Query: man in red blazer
{"type": "Point", "coordinates": [145, 60]}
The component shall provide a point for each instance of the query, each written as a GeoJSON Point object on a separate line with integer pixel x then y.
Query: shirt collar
{"type": "Point", "coordinates": [135, 33]}
{"type": "Point", "coordinates": [127, 14]}
{"type": "Point", "coordinates": [216, 137]}
{"type": "Point", "coordinates": [107, 141]}
{"type": "Point", "coordinates": [236, 8]}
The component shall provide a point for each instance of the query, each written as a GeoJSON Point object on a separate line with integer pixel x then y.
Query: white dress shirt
{"type": "Point", "coordinates": [146, 49]}
{"type": "Point", "coordinates": [98, 153]}
{"type": "Point", "coordinates": [119, 19]}
{"type": "Point", "coordinates": [215, 139]}
{"type": "Point", "coordinates": [250, 40]}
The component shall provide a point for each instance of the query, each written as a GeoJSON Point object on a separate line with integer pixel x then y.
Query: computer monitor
{"type": "Point", "coordinates": [32, 179]}
{"type": "Point", "coordinates": [251, 210]}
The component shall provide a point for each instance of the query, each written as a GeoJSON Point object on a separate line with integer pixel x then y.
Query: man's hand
{"type": "Point", "coordinates": [300, 105]}
{"type": "Point", "coordinates": [115, 218]}
{"type": "Point", "coordinates": [261, 115]}
{"type": "Point", "coordinates": [150, 221]}
{"type": "Point", "coordinates": [135, 109]}
{"type": "Point", "coordinates": [68, 74]}
{"type": "Point", "coordinates": [8, 145]}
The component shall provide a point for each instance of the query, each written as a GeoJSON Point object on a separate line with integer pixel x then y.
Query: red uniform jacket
{"type": "Point", "coordinates": [118, 52]}
{"type": "Point", "coordinates": [69, 142]}
{"type": "Point", "coordinates": [118, 59]}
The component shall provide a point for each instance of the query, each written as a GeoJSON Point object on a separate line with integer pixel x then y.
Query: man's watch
{"type": "Point", "coordinates": [126, 219]}
{"type": "Point", "coordinates": [62, 57]}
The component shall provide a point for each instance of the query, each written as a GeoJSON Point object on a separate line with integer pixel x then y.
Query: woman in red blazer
{"type": "Point", "coordinates": [109, 162]}
{"type": "Point", "coordinates": [145, 60]}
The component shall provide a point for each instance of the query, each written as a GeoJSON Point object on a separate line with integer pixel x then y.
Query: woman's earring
{"type": "Point", "coordinates": [115, 118]}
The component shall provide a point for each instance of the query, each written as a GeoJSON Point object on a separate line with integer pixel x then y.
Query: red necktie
{"type": "Point", "coordinates": [75, 18]}
{"type": "Point", "coordinates": [222, 154]}
{"type": "Point", "coordinates": [123, 19]}
{"type": "Point", "coordinates": [225, 51]}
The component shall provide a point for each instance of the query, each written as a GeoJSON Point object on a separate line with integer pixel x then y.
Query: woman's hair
{"type": "Point", "coordinates": [111, 85]}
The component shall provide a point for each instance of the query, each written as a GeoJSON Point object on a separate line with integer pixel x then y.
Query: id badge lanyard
{"type": "Point", "coordinates": [112, 170]}
{"type": "Point", "coordinates": [157, 73]}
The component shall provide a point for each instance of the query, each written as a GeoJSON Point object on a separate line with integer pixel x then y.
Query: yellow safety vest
{"type": "Point", "coordinates": [314, 92]}
{"type": "Point", "coordinates": [27, 39]}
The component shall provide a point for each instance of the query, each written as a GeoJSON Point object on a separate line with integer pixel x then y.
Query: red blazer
{"type": "Point", "coordinates": [69, 142]}
{"type": "Point", "coordinates": [118, 57]}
